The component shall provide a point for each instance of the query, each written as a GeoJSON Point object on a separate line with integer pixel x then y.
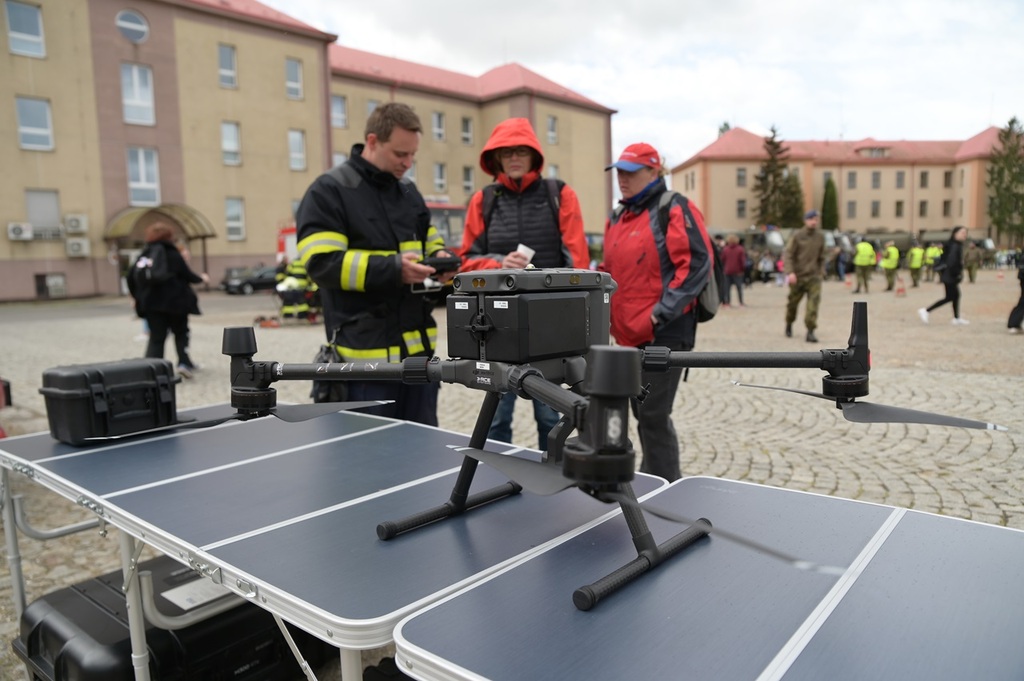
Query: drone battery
{"type": "Point", "coordinates": [80, 633]}
{"type": "Point", "coordinates": [112, 398]}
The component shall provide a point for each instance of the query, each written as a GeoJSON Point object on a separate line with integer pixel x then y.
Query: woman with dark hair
{"type": "Point", "coordinates": [160, 282]}
{"type": "Point", "coordinates": [950, 275]}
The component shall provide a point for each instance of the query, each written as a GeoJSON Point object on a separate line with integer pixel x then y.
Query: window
{"type": "Point", "coordinates": [337, 159]}
{"type": "Point", "coordinates": [901, 179]}
{"type": "Point", "coordinates": [132, 25]}
{"type": "Point", "coordinates": [553, 170]}
{"type": "Point", "coordinates": [947, 208]}
{"type": "Point", "coordinates": [961, 177]}
{"type": "Point", "coordinates": [947, 179]}
{"type": "Point", "coordinates": [339, 111]}
{"type": "Point", "coordinates": [851, 179]}
{"type": "Point", "coordinates": [230, 143]}
{"type": "Point", "coordinates": [227, 66]}
{"type": "Point", "coordinates": [960, 208]}
{"type": "Point", "coordinates": [922, 209]}
{"type": "Point", "coordinates": [924, 179]}
{"type": "Point", "coordinates": [137, 94]}
{"type": "Point", "coordinates": [293, 78]}
{"type": "Point", "coordinates": [234, 218]}
{"type": "Point", "coordinates": [143, 177]}
{"type": "Point", "coordinates": [851, 209]}
{"type": "Point", "coordinates": [741, 208]}
{"type": "Point", "coordinates": [552, 130]}
{"type": "Point", "coordinates": [25, 29]}
{"type": "Point", "coordinates": [467, 179]}
{"type": "Point", "coordinates": [899, 209]}
{"type": "Point", "coordinates": [371, 106]}
{"type": "Point", "coordinates": [741, 179]}
{"type": "Point", "coordinates": [826, 177]}
{"type": "Point", "coordinates": [35, 125]}
{"type": "Point", "coordinates": [410, 174]}
{"type": "Point", "coordinates": [876, 179]}
{"type": "Point", "coordinates": [440, 177]}
{"type": "Point", "coordinates": [876, 208]}
{"type": "Point", "coordinates": [43, 209]}
{"type": "Point", "coordinates": [437, 123]}
{"type": "Point", "coordinates": [297, 149]}
{"type": "Point", "coordinates": [467, 130]}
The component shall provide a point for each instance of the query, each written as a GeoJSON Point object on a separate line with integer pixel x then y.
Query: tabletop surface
{"type": "Point", "coordinates": [916, 596]}
{"type": "Point", "coordinates": [291, 510]}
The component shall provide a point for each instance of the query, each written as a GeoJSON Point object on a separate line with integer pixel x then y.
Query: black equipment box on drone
{"type": "Point", "coordinates": [519, 316]}
{"type": "Point", "coordinates": [80, 633]}
{"type": "Point", "coordinates": [111, 398]}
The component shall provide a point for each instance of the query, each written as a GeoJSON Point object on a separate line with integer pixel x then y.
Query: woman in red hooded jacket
{"type": "Point", "coordinates": [521, 209]}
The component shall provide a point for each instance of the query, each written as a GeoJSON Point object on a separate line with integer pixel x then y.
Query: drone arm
{"type": "Point", "coordinates": [660, 358]}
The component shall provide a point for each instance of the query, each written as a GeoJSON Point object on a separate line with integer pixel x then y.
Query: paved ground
{"type": "Point", "coordinates": [775, 438]}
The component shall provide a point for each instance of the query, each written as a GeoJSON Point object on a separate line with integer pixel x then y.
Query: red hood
{"type": "Point", "coordinates": [514, 132]}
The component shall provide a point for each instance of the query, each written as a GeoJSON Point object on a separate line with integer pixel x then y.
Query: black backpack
{"type": "Point", "coordinates": [554, 194]}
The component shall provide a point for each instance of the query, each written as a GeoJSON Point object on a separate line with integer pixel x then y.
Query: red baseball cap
{"type": "Point", "coordinates": [637, 156]}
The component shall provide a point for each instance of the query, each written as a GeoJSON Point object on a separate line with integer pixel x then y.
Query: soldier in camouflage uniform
{"type": "Point", "coordinates": [805, 265]}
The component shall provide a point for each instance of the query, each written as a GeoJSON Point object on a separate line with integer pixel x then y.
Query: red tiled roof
{"type": "Point", "coordinates": [504, 80]}
{"type": "Point", "coordinates": [738, 144]}
{"type": "Point", "coordinates": [256, 13]}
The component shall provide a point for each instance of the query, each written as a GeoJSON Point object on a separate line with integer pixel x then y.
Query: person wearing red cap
{"type": "Point", "coordinates": [521, 219]}
{"type": "Point", "coordinates": [659, 253]}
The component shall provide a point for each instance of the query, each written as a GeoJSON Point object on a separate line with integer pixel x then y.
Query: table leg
{"type": "Point", "coordinates": [351, 664]}
{"type": "Point", "coordinates": [133, 602]}
{"type": "Point", "coordinates": [11, 540]}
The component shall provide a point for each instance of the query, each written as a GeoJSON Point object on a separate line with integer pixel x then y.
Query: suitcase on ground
{"type": "Point", "coordinates": [110, 398]}
{"type": "Point", "coordinates": [80, 633]}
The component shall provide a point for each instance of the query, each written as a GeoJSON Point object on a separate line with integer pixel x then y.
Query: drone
{"type": "Point", "coordinates": [497, 342]}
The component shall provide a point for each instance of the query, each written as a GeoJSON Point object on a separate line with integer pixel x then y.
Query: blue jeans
{"type": "Point", "coordinates": [501, 424]}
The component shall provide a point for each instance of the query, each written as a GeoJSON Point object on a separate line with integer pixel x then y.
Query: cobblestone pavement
{"type": "Point", "coordinates": [770, 437]}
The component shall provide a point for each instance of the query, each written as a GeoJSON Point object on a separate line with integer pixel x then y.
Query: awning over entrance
{"type": "Point", "coordinates": [130, 224]}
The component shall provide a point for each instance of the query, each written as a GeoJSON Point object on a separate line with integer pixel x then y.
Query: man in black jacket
{"type": "Point", "coordinates": [362, 231]}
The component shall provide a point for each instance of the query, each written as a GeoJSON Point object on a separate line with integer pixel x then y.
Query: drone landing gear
{"type": "Point", "coordinates": [460, 500]}
{"type": "Point", "coordinates": [649, 554]}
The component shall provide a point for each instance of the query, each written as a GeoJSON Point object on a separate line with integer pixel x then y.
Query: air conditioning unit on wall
{"type": "Point", "coordinates": [77, 247]}
{"type": "Point", "coordinates": [76, 223]}
{"type": "Point", "coordinates": [19, 231]}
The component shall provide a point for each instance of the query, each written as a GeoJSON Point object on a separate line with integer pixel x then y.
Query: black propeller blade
{"type": "Point", "coordinates": [867, 412]}
{"type": "Point", "coordinates": [538, 478]}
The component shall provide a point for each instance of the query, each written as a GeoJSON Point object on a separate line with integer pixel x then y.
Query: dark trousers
{"type": "Point", "coordinates": [654, 423]}
{"type": "Point", "coordinates": [409, 402]}
{"type": "Point", "coordinates": [501, 424]}
{"type": "Point", "coordinates": [1016, 319]}
{"type": "Point", "coordinates": [162, 323]}
{"type": "Point", "coordinates": [952, 296]}
{"type": "Point", "coordinates": [730, 281]}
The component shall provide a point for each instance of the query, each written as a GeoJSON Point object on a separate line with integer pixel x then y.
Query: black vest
{"type": "Point", "coordinates": [527, 218]}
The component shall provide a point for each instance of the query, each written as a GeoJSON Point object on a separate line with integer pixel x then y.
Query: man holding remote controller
{"type": "Point", "coordinates": [363, 234]}
{"type": "Point", "coordinates": [522, 219]}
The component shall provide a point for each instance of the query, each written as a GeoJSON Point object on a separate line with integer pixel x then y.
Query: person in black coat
{"type": "Point", "coordinates": [952, 272]}
{"type": "Point", "coordinates": [167, 301]}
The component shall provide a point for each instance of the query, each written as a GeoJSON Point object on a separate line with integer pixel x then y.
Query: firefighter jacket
{"type": "Point", "coordinates": [354, 223]}
{"type": "Point", "coordinates": [660, 269]}
{"type": "Point", "coordinates": [542, 214]}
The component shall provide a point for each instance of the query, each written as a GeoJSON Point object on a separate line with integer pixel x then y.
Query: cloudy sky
{"type": "Point", "coordinates": [675, 70]}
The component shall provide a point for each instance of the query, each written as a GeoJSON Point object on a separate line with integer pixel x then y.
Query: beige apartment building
{"type": "Point", "coordinates": [217, 115]}
{"type": "Point", "coordinates": [910, 186]}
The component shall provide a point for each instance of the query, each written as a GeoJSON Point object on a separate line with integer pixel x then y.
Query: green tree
{"type": "Point", "coordinates": [791, 202]}
{"type": "Point", "coordinates": [770, 180]}
{"type": "Point", "coordinates": [830, 207]}
{"type": "Point", "coordinates": [724, 128]}
{"type": "Point", "coordinates": [1006, 182]}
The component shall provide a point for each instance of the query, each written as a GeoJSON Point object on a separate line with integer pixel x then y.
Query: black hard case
{"type": "Point", "coordinates": [111, 398]}
{"type": "Point", "coordinates": [80, 633]}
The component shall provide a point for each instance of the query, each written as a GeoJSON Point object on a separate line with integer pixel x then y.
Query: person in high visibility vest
{"type": "Point", "coordinates": [915, 260]}
{"type": "Point", "coordinates": [890, 263]}
{"type": "Point", "coordinates": [864, 262]}
{"type": "Point", "coordinates": [931, 255]}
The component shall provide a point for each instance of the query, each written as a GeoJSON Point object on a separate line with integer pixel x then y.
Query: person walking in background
{"type": "Point", "coordinates": [804, 264]}
{"type": "Point", "coordinates": [362, 231]}
{"type": "Point", "coordinates": [864, 263]}
{"type": "Point", "coordinates": [890, 263]}
{"type": "Point", "coordinates": [521, 211]}
{"type": "Point", "coordinates": [734, 264]}
{"type": "Point", "coordinates": [951, 273]}
{"type": "Point", "coordinates": [1015, 323]}
{"type": "Point", "coordinates": [931, 255]}
{"type": "Point", "coordinates": [659, 252]}
{"type": "Point", "coordinates": [161, 284]}
{"type": "Point", "coordinates": [972, 260]}
{"type": "Point", "coordinates": [915, 260]}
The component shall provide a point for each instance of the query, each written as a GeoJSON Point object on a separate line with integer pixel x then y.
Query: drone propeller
{"type": "Point", "coordinates": [867, 412]}
{"type": "Point", "coordinates": [542, 479]}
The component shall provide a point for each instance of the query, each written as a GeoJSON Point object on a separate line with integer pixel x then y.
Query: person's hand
{"type": "Point", "coordinates": [445, 277]}
{"type": "Point", "coordinates": [791, 279]}
{"type": "Point", "coordinates": [515, 261]}
{"type": "Point", "coordinates": [413, 272]}
{"type": "Point", "coordinates": [205, 277]}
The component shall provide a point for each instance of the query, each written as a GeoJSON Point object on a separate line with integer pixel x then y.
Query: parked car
{"type": "Point", "coordinates": [246, 281]}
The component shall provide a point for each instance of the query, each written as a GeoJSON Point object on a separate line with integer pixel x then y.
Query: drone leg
{"type": "Point", "coordinates": [460, 500]}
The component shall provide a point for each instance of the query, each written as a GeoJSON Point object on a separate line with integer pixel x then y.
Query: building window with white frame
{"type": "Point", "coordinates": [924, 180]}
{"type": "Point", "coordinates": [231, 143]}
{"type": "Point", "coordinates": [143, 177]}
{"type": "Point", "coordinates": [137, 94]}
{"type": "Point", "coordinates": [467, 130]}
{"type": "Point", "coordinates": [899, 209]}
{"type": "Point", "coordinates": [876, 179]}
{"type": "Point", "coordinates": [851, 179]}
{"type": "Point", "coordinates": [922, 209]}
{"type": "Point", "coordinates": [43, 209]}
{"type": "Point", "coordinates": [234, 218]}
{"type": "Point", "coordinates": [227, 65]}
{"type": "Point", "coordinates": [297, 149]}
{"type": "Point", "coordinates": [437, 125]}
{"type": "Point", "coordinates": [25, 29]}
{"type": "Point", "coordinates": [293, 78]}
{"type": "Point", "coordinates": [947, 208]}
{"type": "Point", "coordinates": [440, 177]}
{"type": "Point", "coordinates": [132, 25]}
{"type": "Point", "coordinates": [851, 209]}
{"type": "Point", "coordinates": [339, 111]}
{"type": "Point", "coordinates": [35, 124]}
{"type": "Point", "coordinates": [901, 179]}
{"type": "Point", "coordinates": [467, 179]}
{"type": "Point", "coordinates": [552, 130]}
{"type": "Point", "coordinates": [741, 177]}
{"type": "Point", "coordinates": [371, 106]}
{"type": "Point", "coordinates": [741, 208]}
{"type": "Point", "coordinates": [553, 170]}
{"type": "Point", "coordinates": [876, 209]}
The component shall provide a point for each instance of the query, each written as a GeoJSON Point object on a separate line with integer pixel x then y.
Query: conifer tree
{"type": "Point", "coordinates": [770, 179]}
{"type": "Point", "coordinates": [1006, 182]}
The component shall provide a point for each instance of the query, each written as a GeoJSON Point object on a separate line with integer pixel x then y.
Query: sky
{"type": "Point", "coordinates": [676, 70]}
